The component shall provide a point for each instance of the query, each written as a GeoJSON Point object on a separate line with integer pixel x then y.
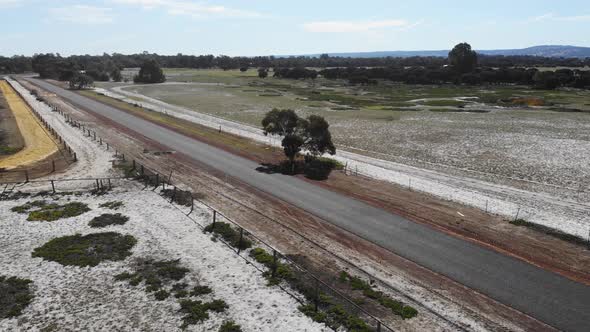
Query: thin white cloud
{"type": "Point", "coordinates": [188, 8]}
{"type": "Point", "coordinates": [82, 14]}
{"type": "Point", "coordinates": [354, 26]}
{"type": "Point", "coordinates": [553, 17]}
{"type": "Point", "coordinates": [10, 3]}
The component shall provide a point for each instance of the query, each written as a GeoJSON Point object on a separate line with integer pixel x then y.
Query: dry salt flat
{"type": "Point", "coordinates": [88, 299]}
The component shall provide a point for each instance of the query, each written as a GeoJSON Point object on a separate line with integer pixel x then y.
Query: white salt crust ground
{"type": "Point", "coordinates": [88, 299]}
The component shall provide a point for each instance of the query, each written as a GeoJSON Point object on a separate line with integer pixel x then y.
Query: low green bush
{"type": "Point", "coordinates": [15, 296]}
{"type": "Point", "coordinates": [161, 295]}
{"type": "Point", "coordinates": [43, 211]}
{"type": "Point", "coordinates": [196, 311]}
{"type": "Point", "coordinates": [229, 235]}
{"type": "Point", "coordinates": [113, 205]}
{"type": "Point", "coordinates": [108, 219]}
{"type": "Point", "coordinates": [230, 326]}
{"type": "Point", "coordinates": [396, 307]}
{"type": "Point", "coordinates": [158, 277]}
{"type": "Point", "coordinates": [201, 290]}
{"type": "Point", "coordinates": [89, 250]}
{"type": "Point", "coordinates": [282, 271]}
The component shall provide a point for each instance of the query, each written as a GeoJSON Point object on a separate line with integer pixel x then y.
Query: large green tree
{"type": "Point", "coordinates": [150, 72]}
{"type": "Point", "coordinates": [463, 58]}
{"type": "Point", "coordinates": [311, 134]}
{"type": "Point", "coordinates": [80, 81]}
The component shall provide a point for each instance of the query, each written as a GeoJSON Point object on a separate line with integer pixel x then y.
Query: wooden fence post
{"type": "Point", "coordinates": [274, 263]}
{"type": "Point", "coordinates": [173, 195]}
{"type": "Point", "coordinates": [240, 241]}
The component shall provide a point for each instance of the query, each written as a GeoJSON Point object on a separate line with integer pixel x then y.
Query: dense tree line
{"type": "Point", "coordinates": [54, 64]}
{"type": "Point", "coordinates": [421, 70]}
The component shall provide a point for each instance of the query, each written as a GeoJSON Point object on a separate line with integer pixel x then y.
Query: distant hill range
{"type": "Point", "coordinates": [551, 51]}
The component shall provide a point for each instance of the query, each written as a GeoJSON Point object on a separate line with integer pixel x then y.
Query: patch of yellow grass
{"type": "Point", "coordinates": [37, 143]}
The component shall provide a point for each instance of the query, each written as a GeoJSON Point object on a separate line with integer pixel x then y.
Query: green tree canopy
{"type": "Point", "coordinates": [312, 133]}
{"type": "Point", "coordinates": [150, 72]}
{"type": "Point", "coordinates": [462, 58]}
{"type": "Point", "coordinates": [80, 81]}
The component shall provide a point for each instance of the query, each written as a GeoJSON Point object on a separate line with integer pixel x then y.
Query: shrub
{"type": "Point", "coordinates": [201, 290]}
{"type": "Point", "coordinates": [108, 219]}
{"type": "Point", "coordinates": [113, 205]}
{"type": "Point", "coordinates": [229, 235]}
{"type": "Point", "coordinates": [282, 271]}
{"type": "Point", "coordinates": [230, 326]}
{"type": "Point", "coordinates": [161, 295]}
{"type": "Point", "coordinates": [15, 296]}
{"type": "Point", "coordinates": [196, 311]}
{"type": "Point", "coordinates": [157, 276]}
{"type": "Point", "coordinates": [51, 211]}
{"type": "Point", "coordinates": [89, 250]}
{"type": "Point", "coordinates": [396, 307]}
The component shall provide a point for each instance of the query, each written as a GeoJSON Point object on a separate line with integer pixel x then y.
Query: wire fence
{"type": "Point", "coordinates": [310, 290]}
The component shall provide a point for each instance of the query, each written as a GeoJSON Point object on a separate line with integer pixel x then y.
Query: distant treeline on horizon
{"type": "Point", "coordinates": [495, 69]}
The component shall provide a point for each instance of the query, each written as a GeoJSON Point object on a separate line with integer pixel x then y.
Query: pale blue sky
{"type": "Point", "coordinates": [264, 27]}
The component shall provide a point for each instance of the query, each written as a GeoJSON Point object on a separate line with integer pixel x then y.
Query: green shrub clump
{"type": "Point", "coordinates": [15, 296]}
{"type": "Point", "coordinates": [43, 211]}
{"type": "Point", "coordinates": [196, 311]}
{"type": "Point", "coordinates": [229, 235]}
{"type": "Point", "coordinates": [113, 205]}
{"type": "Point", "coordinates": [89, 250]}
{"type": "Point", "coordinates": [230, 326]}
{"type": "Point", "coordinates": [201, 290]}
{"type": "Point", "coordinates": [281, 271]}
{"type": "Point", "coordinates": [396, 307]}
{"type": "Point", "coordinates": [108, 219]}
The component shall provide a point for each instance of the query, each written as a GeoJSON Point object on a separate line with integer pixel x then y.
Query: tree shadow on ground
{"type": "Point", "coordinates": [313, 170]}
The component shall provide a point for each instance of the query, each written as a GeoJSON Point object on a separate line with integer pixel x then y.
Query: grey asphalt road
{"type": "Point", "coordinates": [547, 296]}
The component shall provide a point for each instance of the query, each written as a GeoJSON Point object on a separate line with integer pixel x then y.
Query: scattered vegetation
{"type": "Point", "coordinates": [329, 312]}
{"type": "Point", "coordinates": [43, 211]}
{"type": "Point", "coordinates": [15, 296]}
{"type": "Point", "coordinates": [89, 250]}
{"type": "Point", "coordinates": [163, 278]}
{"type": "Point", "coordinates": [396, 307]}
{"type": "Point", "coordinates": [156, 274]}
{"type": "Point", "coordinates": [108, 219]}
{"type": "Point", "coordinates": [229, 235]}
{"type": "Point", "coordinates": [196, 311]}
{"type": "Point", "coordinates": [113, 205]}
{"type": "Point", "coordinates": [552, 232]}
{"type": "Point", "coordinates": [277, 271]}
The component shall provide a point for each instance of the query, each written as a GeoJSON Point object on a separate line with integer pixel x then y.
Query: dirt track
{"type": "Point", "coordinates": [38, 145]}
